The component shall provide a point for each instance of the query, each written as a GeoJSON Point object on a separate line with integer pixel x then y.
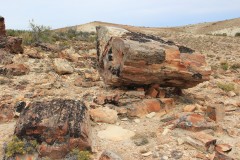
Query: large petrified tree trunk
{"type": "Point", "coordinates": [129, 58]}
{"type": "Point", "coordinates": [58, 126]}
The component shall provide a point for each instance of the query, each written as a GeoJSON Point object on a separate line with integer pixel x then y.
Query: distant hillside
{"type": "Point", "coordinates": [226, 27]}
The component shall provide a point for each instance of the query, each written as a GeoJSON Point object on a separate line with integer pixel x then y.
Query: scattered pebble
{"type": "Point", "coordinates": [137, 120]}
{"type": "Point", "coordinates": [176, 154]}
{"type": "Point", "coordinates": [151, 115]}
{"type": "Point", "coordinates": [124, 119]}
{"type": "Point", "coordinates": [164, 158]}
{"type": "Point", "coordinates": [147, 154]}
{"type": "Point", "coordinates": [180, 141]}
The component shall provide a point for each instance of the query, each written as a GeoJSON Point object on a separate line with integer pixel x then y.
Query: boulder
{"type": "Point", "coordinates": [128, 58]}
{"type": "Point", "coordinates": [58, 126]}
{"type": "Point", "coordinates": [144, 107]}
{"type": "Point", "coordinates": [14, 69]}
{"type": "Point", "coordinates": [104, 114]}
{"type": "Point", "coordinates": [62, 66]}
{"type": "Point", "coordinates": [13, 45]}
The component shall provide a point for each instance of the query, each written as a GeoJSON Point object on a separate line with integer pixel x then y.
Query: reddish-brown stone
{"type": "Point", "coordinates": [13, 45]}
{"type": "Point", "coordinates": [142, 108]}
{"type": "Point", "coordinates": [216, 112]}
{"type": "Point", "coordinates": [202, 141]}
{"type": "Point", "coordinates": [14, 69]}
{"type": "Point", "coordinates": [128, 58]}
{"type": "Point", "coordinates": [223, 148]}
{"type": "Point", "coordinates": [2, 27]}
{"type": "Point", "coordinates": [152, 92]}
{"type": "Point", "coordinates": [58, 125]}
{"type": "Point", "coordinates": [168, 103]}
{"type": "Point", "coordinates": [194, 122]}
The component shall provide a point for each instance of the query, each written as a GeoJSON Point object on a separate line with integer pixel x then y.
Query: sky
{"type": "Point", "coordinates": [148, 13]}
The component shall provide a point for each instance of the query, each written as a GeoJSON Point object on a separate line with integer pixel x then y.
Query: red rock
{"type": "Point", "coordinates": [142, 108]}
{"type": "Point", "coordinates": [13, 45]}
{"type": "Point", "coordinates": [189, 108]}
{"type": "Point", "coordinates": [14, 69]}
{"type": "Point", "coordinates": [200, 145]}
{"type": "Point", "coordinates": [129, 58]}
{"type": "Point", "coordinates": [58, 125]}
{"type": "Point", "coordinates": [216, 112]}
{"type": "Point", "coordinates": [78, 81]}
{"type": "Point", "coordinates": [194, 122]}
{"type": "Point", "coordinates": [168, 103]}
{"type": "Point", "coordinates": [152, 92]}
{"type": "Point", "coordinates": [223, 148]}
{"type": "Point", "coordinates": [7, 112]}
{"type": "Point", "coordinates": [162, 93]}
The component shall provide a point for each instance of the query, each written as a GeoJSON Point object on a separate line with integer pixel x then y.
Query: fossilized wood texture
{"type": "Point", "coordinates": [129, 58]}
{"type": "Point", "coordinates": [2, 27]}
{"type": "Point", "coordinates": [58, 126]}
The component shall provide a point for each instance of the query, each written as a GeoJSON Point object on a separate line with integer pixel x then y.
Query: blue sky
{"type": "Point", "coordinates": [149, 13]}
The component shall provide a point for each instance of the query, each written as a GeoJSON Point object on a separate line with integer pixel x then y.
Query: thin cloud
{"type": "Point", "coordinates": [61, 13]}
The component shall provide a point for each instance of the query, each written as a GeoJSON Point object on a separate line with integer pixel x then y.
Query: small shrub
{"type": "Point", "coordinates": [41, 33]}
{"type": "Point", "coordinates": [226, 86]}
{"type": "Point", "coordinates": [221, 34]}
{"type": "Point", "coordinates": [235, 66]}
{"type": "Point", "coordinates": [237, 34]}
{"type": "Point", "coordinates": [17, 146]}
{"type": "Point", "coordinates": [76, 154]}
{"type": "Point", "coordinates": [224, 66]}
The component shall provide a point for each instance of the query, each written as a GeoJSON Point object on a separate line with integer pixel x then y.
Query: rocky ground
{"type": "Point", "coordinates": [41, 75]}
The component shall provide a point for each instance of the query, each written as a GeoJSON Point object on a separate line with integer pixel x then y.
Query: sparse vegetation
{"type": "Point", "coordinates": [237, 34]}
{"type": "Point", "coordinates": [17, 146]}
{"type": "Point", "coordinates": [235, 66]}
{"type": "Point", "coordinates": [224, 66]}
{"type": "Point", "coordinates": [226, 86]}
{"type": "Point", "coordinates": [44, 34]}
{"type": "Point", "coordinates": [220, 34]}
{"type": "Point", "coordinates": [76, 154]}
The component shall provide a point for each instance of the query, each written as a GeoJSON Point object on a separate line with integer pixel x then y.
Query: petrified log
{"type": "Point", "coordinates": [58, 126]}
{"type": "Point", "coordinates": [128, 58]}
{"type": "Point", "coordinates": [2, 27]}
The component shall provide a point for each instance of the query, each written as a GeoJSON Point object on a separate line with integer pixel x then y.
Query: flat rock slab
{"type": "Point", "coordinates": [115, 133]}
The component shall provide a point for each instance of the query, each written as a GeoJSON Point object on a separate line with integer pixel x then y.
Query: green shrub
{"type": "Point", "coordinates": [41, 33]}
{"type": "Point", "coordinates": [235, 66]}
{"type": "Point", "coordinates": [17, 146]}
{"type": "Point", "coordinates": [44, 34]}
{"type": "Point", "coordinates": [79, 155]}
{"type": "Point", "coordinates": [226, 86]}
{"type": "Point", "coordinates": [224, 66]}
{"type": "Point", "coordinates": [237, 34]}
{"type": "Point", "coordinates": [221, 34]}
